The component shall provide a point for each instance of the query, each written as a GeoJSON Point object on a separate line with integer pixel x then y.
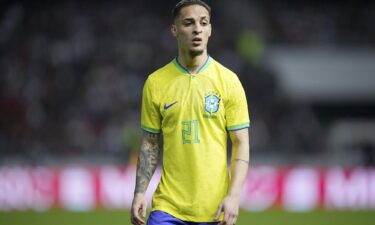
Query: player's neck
{"type": "Point", "coordinates": [192, 63]}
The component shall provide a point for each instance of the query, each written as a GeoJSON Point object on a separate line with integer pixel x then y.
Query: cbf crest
{"type": "Point", "coordinates": [211, 102]}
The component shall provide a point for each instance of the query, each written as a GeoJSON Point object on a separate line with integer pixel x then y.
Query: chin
{"type": "Point", "coordinates": [196, 52]}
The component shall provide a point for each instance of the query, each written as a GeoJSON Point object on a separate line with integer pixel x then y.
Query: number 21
{"type": "Point", "coordinates": [186, 132]}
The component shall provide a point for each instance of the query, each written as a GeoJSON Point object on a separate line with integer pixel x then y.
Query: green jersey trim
{"type": "Point", "coordinates": [205, 65]}
{"type": "Point", "coordinates": [179, 67]}
{"type": "Point", "coordinates": [151, 130]}
{"type": "Point", "coordinates": [238, 127]}
{"type": "Point", "coordinates": [185, 71]}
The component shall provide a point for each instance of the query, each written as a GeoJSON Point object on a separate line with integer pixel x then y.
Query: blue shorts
{"type": "Point", "coordinates": [163, 218]}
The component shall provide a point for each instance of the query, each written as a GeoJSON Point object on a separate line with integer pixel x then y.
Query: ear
{"type": "Point", "coordinates": [209, 32]}
{"type": "Point", "coordinates": [174, 30]}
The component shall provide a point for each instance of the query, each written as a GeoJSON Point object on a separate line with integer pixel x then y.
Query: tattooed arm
{"type": "Point", "coordinates": [147, 161]}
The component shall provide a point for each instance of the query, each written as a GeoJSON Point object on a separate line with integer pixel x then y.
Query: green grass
{"type": "Point", "coordinates": [117, 217]}
{"type": "Point", "coordinates": [309, 218]}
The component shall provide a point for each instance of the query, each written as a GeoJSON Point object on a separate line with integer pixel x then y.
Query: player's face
{"type": "Point", "coordinates": [192, 28]}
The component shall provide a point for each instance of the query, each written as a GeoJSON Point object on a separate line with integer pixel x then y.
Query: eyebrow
{"type": "Point", "coordinates": [192, 19]}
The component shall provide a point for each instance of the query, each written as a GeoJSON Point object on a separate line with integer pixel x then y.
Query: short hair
{"type": "Point", "coordinates": [183, 3]}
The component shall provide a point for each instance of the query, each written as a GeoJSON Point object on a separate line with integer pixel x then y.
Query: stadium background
{"type": "Point", "coordinates": [71, 75]}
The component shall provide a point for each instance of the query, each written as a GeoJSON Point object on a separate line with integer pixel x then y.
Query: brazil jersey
{"type": "Point", "coordinates": [193, 112]}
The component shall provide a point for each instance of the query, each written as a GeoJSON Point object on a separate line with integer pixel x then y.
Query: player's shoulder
{"type": "Point", "coordinates": [224, 71]}
{"type": "Point", "coordinates": [161, 72]}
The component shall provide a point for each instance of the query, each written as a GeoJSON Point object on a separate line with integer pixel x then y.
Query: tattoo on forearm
{"type": "Point", "coordinates": [147, 161]}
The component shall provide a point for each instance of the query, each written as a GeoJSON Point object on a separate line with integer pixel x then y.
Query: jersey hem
{"type": "Point", "coordinates": [194, 219]}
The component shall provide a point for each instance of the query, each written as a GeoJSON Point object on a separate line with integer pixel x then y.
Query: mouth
{"type": "Point", "coordinates": [197, 41]}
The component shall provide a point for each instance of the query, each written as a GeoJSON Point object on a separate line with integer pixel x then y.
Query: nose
{"type": "Point", "coordinates": [197, 29]}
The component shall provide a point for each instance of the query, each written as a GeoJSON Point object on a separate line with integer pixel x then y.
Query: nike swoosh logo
{"type": "Point", "coordinates": [168, 106]}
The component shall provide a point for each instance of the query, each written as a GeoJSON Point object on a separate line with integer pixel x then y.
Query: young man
{"type": "Point", "coordinates": [193, 101]}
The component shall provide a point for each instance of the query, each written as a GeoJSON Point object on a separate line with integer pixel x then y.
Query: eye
{"type": "Point", "coordinates": [187, 23]}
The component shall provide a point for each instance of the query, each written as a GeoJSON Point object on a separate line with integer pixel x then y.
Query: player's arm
{"type": "Point", "coordinates": [147, 162]}
{"type": "Point", "coordinates": [238, 169]}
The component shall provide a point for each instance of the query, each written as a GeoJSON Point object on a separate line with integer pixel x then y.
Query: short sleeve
{"type": "Point", "coordinates": [237, 115]}
{"type": "Point", "coordinates": [150, 115]}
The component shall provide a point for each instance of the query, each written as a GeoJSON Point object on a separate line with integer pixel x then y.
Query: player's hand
{"type": "Point", "coordinates": [138, 210]}
{"type": "Point", "coordinates": [229, 206]}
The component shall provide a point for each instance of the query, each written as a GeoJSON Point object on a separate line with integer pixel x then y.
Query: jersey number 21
{"type": "Point", "coordinates": [190, 136]}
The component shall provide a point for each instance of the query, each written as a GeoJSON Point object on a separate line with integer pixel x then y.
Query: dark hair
{"type": "Point", "coordinates": [183, 3]}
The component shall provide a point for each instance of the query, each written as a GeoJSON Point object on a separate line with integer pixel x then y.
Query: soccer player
{"type": "Point", "coordinates": [194, 102]}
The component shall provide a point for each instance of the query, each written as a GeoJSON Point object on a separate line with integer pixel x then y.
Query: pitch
{"type": "Point", "coordinates": [121, 217]}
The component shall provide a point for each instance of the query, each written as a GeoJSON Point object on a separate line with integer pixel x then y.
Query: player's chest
{"type": "Point", "coordinates": [198, 98]}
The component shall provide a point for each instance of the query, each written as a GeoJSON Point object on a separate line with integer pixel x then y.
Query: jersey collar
{"type": "Point", "coordinates": [185, 71]}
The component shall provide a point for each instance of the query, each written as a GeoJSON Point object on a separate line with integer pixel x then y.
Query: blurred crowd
{"type": "Point", "coordinates": [71, 72]}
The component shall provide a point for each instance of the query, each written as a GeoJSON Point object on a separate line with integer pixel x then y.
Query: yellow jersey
{"type": "Point", "coordinates": [193, 112]}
